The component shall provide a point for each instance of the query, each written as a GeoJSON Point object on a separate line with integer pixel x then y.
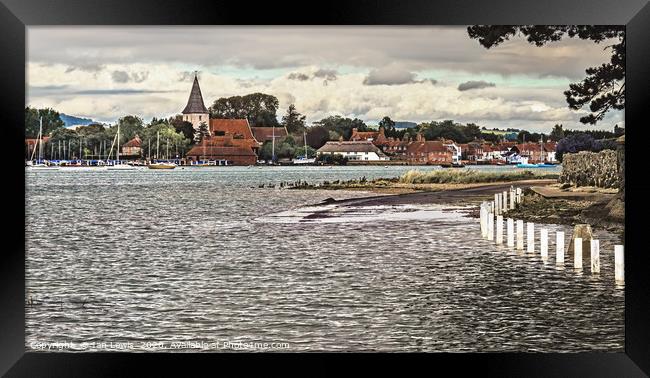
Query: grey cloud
{"type": "Point", "coordinates": [414, 48]}
{"type": "Point", "coordinates": [298, 76]}
{"type": "Point", "coordinates": [389, 76]}
{"type": "Point", "coordinates": [120, 76]}
{"type": "Point", "coordinates": [116, 92]}
{"type": "Point", "coordinates": [124, 77]}
{"type": "Point", "coordinates": [328, 75]}
{"type": "Point", "coordinates": [468, 85]}
{"type": "Point", "coordinates": [87, 67]}
{"type": "Point", "coordinates": [393, 76]}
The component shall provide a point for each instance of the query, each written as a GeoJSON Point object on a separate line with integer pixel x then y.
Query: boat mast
{"type": "Point", "coordinates": [40, 139]}
{"type": "Point", "coordinates": [273, 146]}
{"type": "Point", "coordinates": [158, 146]}
{"type": "Point", "coordinates": [118, 143]}
{"type": "Point", "coordinates": [304, 134]}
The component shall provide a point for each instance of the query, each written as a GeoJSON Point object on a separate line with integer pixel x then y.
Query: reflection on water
{"type": "Point", "coordinates": [205, 254]}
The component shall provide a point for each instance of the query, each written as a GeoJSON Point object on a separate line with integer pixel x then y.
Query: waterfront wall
{"type": "Point", "coordinates": [585, 168]}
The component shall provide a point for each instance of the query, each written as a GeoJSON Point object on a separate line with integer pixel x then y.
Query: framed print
{"type": "Point", "coordinates": [214, 181]}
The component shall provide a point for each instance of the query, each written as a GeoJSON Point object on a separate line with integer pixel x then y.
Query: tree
{"type": "Point", "coordinates": [557, 133]}
{"type": "Point", "coordinates": [51, 121]}
{"type": "Point", "coordinates": [582, 142]}
{"type": "Point", "coordinates": [201, 133]}
{"type": "Point", "coordinates": [260, 109]}
{"type": "Point", "coordinates": [604, 87]}
{"type": "Point", "coordinates": [130, 126]}
{"type": "Point", "coordinates": [389, 128]}
{"type": "Point", "coordinates": [293, 121]}
{"type": "Point", "coordinates": [618, 131]}
{"type": "Point", "coordinates": [183, 127]}
{"type": "Point", "coordinates": [343, 126]}
{"type": "Point", "coordinates": [317, 136]}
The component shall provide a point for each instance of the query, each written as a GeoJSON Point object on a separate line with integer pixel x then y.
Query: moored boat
{"type": "Point", "coordinates": [162, 166]}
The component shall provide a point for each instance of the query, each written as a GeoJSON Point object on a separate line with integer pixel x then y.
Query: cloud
{"type": "Point", "coordinates": [125, 77]}
{"type": "Point", "coordinates": [389, 76]}
{"type": "Point", "coordinates": [468, 85]}
{"type": "Point", "coordinates": [120, 76]}
{"type": "Point", "coordinates": [328, 75]}
{"type": "Point", "coordinates": [86, 67]}
{"type": "Point", "coordinates": [298, 76]}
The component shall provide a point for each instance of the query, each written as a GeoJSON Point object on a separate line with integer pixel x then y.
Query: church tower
{"type": "Point", "coordinates": [195, 112]}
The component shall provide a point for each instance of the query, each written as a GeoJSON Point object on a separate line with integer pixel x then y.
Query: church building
{"type": "Point", "coordinates": [231, 140]}
{"type": "Point", "coordinates": [195, 112]}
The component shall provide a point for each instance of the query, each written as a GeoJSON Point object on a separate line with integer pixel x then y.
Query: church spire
{"type": "Point", "coordinates": [195, 103]}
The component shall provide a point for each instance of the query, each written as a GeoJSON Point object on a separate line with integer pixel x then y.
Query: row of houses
{"type": "Point", "coordinates": [375, 146]}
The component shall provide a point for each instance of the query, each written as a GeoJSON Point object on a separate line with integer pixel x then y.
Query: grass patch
{"type": "Point", "coordinates": [469, 176]}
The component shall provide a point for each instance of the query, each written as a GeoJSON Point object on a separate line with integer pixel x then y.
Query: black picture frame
{"type": "Point", "coordinates": [16, 15]}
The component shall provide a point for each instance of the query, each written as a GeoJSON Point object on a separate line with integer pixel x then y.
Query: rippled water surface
{"type": "Point", "coordinates": [207, 256]}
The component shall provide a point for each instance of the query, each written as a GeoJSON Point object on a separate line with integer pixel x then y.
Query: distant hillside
{"type": "Point", "coordinates": [405, 124]}
{"type": "Point", "coordinates": [75, 121]}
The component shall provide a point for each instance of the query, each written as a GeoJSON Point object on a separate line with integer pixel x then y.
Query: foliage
{"type": "Point", "coordinates": [582, 142]}
{"type": "Point", "coordinates": [526, 136]}
{"type": "Point", "coordinates": [336, 159]}
{"type": "Point", "coordinates": [317, 136]}
{"type": "Point", "coordinates": [557, 133]}
{"type": "Point", "coordinates": [467, 176]}
{"type": "Point", "coordinates": [293, 121]}
{"type": "Point", "coordinates": [260, 109]}
{"type": "Point", "coordinates": [183, 127]}
{"type": "Point", "coordinates": [604, 87]}
{"type": "Point", "coordinates": [51, 121]}
{"type": "Point", "coordinates": [448, 129]}
{"type": "Point", "coordinates": [342, 126]}
{"type": "Point", "coordinates": [201, 133]}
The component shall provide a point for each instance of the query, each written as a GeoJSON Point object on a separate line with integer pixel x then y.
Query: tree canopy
{"type": "Point", "coordinates": [341, 125]}
{"type": "Point", "coordinates": [51, 121]}
{"type": "Point", "coordinates": [293, 121]}
{"type": "Point", "coordinates": [603, 88]}
{"type": "Point", "coordinates": [260, 109]}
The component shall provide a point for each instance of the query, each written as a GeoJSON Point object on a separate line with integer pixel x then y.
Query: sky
{"type": "Point", "coordinates": [417, 74]}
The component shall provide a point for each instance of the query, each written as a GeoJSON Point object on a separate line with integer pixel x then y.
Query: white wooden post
{"type": "Point", "coordinates": [512, 199]}
{"type": "Point", "coordinates": [511, 232]}
{"type": "Point", "coordinates": [518, 195]}
{"type": "Point", "coordinates": [577, 253]}
{"type": "Point", "coordinates": [559, 245]}
{"type": "Point", "coordinates": [543, 243]}
{"type": "Point", "coordinates": [490, 235]}
{"type": "Point", "coordinates": [520, 234]}
{"type": "Point", "coordinates": [595, 256]}
{"type": "Point", "coordinates": [481, 218]}
{"type": "Point", "coordinates": [530, 237]}
{"type": "Point", "coordinates": [497, 204]}
{"type": "Point", "coordinates": [499, 237]}
{"type": "Point", "coordinates": [619, 264]}
{"type": "Point", "coordinates": [505, 201]}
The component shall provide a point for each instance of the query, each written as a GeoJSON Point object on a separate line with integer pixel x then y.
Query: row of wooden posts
{"type": "Point", "coordinates": [501, 204]}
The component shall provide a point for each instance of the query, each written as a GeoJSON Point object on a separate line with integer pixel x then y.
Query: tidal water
{"type": "Point", "coordinates": [203, 259]}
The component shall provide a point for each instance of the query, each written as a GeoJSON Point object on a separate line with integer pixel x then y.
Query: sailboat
{"type": "Point", "coordinates": [118, 166]}
{"type": "Point", "coordinates": [40, 166]}
{"type": "Point", "coordinates": [161, 165]}
{"type": "Point", "coordinates": [304, 159]}
{"type": "Point", "coordinates": [541, 164]}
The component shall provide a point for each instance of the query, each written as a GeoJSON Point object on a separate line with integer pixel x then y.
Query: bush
{"type": "Point", "coordinates": [469, 176]}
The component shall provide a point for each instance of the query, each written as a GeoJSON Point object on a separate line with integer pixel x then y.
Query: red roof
{"type": "Point", "coordinates": [426, 147]}
{"type": "Point", "coordinates": [33, 141]}
{"type": "Point", "coordinates": [229, 141]}
{"type": "Point", "coordinates": [264, 134]}
{"type": "Point", "coordinates": [236, 127]}
{"type": "Point", "coordinates": [135, 142]}
{"type": "Point", "coordinates": [363, 135]}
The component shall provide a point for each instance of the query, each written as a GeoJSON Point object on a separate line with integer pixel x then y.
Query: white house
{"type": "Point", "coordinates": [353, 150]}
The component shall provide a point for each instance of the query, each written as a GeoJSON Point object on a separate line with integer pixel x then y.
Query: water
{"type": "Point", "coordinates": [144, 259]}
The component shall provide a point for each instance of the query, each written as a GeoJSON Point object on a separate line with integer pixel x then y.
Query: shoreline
{"type": "Point", "coordinates": [535, 208]}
